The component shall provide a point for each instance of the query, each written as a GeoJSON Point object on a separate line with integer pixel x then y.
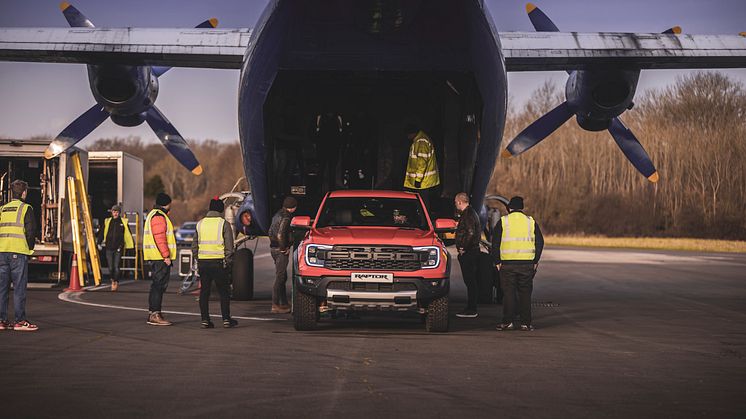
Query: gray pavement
{"type": "Point", "coordinates": [619, 334]}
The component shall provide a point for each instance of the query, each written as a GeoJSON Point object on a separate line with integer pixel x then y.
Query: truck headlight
{"type": "Point", "coordinates": [314, 254]}
{"type": "Point", "coordinates": [430, 256]}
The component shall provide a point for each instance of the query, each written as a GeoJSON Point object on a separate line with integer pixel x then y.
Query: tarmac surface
{"type": "Point", "coordinates": [619, 334]}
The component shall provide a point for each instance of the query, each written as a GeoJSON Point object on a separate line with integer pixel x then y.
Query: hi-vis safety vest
{"type": "Point", "coordinates": [12, 234]}
{"type": "Point", "coordinates": [518, 240]}
{"type": "Point", "coordinates": [421, 165]}
{"type": "Point", "coordinates": [149, 249]}
{"type": "Point", "coordinates": [128, 242]}
{"type": "Point", "coordinates": [210, 236]}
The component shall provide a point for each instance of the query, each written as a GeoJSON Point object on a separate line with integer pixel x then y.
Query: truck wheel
{"type": "Point", "coordinates": [437, 315]}
{"type": "Point", "coordinates": [305, 311]}
{"type": "Point", "coordinates": [243, 275]}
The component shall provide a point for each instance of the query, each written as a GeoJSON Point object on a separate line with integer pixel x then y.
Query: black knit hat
{"type": "Point", "coordinates": [289, 202]}
{"type": "Point", "coordinates": [216, 204]}
{"type": "Point", "coordinates": [162, 199]}
{"type": "Point", "coordinates": [516, 203]}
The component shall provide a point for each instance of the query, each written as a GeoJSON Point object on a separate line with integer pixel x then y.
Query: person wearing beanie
{"type": "Point", "coordinates": [280, 244]}
{"type": "Point", "coordinates": [517, 244]}
{"type": "Point", "coordinates": [115, 238]}
{"type": "Point", "coordinates": [159, 250]}
{"type": "Point", "coordinates": [213, 250]}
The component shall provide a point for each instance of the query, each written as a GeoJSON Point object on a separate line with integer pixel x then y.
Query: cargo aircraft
{"type": "Point", "coordinates": [376, 66]}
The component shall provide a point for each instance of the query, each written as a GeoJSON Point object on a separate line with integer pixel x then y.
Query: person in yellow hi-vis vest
{"type": "Point", "coordinates": [213, 249]}
{"type": "Point", "coordinates": [115, 237]}
{"type": "Point", "coordinates": [422, 167]}
{"type": "Point", "coordinates": [159, 250]}
{"type": "Point", "coordinates": [517, 244]}
{"type": "Point", "coordinates": [17, 239]}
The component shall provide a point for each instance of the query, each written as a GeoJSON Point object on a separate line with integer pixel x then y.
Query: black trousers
{"type": "Point", "coordinates": [279, 290]}
{"type": "Point", "coordinates": [113, 260]}
{"type": "Point", "coordinates": [517, 279]}
{"type": "Point", "coordinates": [159, 275]}
{"type": "Point", "coordinates": [469, 262]}
{"type": "Point", "coordinates": [210, 271]}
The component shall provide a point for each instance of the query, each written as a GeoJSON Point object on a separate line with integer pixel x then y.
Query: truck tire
{"type": "Point", "coordinates": [305, 311]}
{"type": "Point", "coordinates": [243, 275]}
{"type": "Point", "coordinates": [437, 315]}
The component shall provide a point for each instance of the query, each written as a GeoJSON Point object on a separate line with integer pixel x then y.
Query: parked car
{"type": "Point", "coordinates": [185, 233]}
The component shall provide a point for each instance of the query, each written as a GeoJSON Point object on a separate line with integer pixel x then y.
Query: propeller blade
{"type": "Point", "coordinates": [74, 17]}
{"type": "Point", "coordinates": [541, 22]}
{"type": "Point", "coordinates": [540, 129]}
{"type": "Point", "coordinates": [673, 31]}
{"type": "Point", "coordinates": [77, 130]}
{"type": "Point", "coordinates": [633, 150]}
{"type": "Point", "coordinates": [172, 140]}
{"type": "Point", "coordinates": [209, 23]}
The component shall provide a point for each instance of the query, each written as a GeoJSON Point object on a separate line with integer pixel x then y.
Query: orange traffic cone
{"type": "Point", "coordinates": [74, 280]}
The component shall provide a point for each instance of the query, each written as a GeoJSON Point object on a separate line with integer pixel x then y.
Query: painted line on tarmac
{"type": "Point", "coordinates": [74, 297]}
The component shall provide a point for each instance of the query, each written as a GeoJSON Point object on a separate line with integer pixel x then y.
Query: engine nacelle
{"type": "Point", "coordinates": [597, 96]}
{"type": "Point", "coordinates": [127, 92]}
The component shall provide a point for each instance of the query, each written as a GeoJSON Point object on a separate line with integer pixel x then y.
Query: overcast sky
{"type": "Point", "coordinates": [41, 99]}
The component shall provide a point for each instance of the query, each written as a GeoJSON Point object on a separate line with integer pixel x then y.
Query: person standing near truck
{"type": "Point", "coordinates": [213, 249]}
{"type": "Point", "coordinates": [280, 245]}
{"type": "Point", "coordinates": [159, 249]}
{"type": "Point", "coordinates": [17, 239]}
{"type": "Point", "coordinates": [468, 235]}
{"type": "Point", "coordinates": [115, 237]}
{"type": "Point", "coordinates": [517, 244]}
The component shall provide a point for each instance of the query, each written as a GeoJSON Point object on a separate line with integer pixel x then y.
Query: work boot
{"type": "Point", "coordinates": [279, 309]}
{"type": "Point", "coordinates": [156, 319]}
{"type": "Point", "coordinates": [207, 324]}
{"type": "Point", "coordinates": [114, 286]}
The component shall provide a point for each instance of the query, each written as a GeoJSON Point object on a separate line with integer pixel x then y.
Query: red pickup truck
{"type": "Point", "coordinates": [371, 250]}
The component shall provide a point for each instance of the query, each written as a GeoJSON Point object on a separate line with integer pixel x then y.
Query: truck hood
{"type": "Point", "coordinates": [372, 236]}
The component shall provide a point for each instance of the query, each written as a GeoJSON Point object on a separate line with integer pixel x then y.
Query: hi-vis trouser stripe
{"type": "Point", "coordinates": [211, 246]}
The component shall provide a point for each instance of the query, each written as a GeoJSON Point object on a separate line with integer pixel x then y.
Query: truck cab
{"type": "Point", "coordinates": [371, 250]}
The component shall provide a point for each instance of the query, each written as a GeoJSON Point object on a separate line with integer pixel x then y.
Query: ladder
{"type": "Point", "coordinates": [80, 213]}
{"type": "Point", "coordinates": [132, 262]}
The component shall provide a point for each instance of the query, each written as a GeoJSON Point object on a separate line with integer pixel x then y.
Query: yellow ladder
{"type": "Point", "coordinates": [80, 211]}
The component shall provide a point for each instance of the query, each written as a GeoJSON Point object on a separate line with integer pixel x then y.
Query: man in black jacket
{"type": "Point", "coordinates": [517, 244]}
{"type": "Point", "coordinates": [280, 245]}
{"type": "Point", "coordinates": [468, 235]}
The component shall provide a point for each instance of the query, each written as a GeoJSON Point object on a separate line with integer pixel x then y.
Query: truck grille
{"type": "Point", "coordinates": [372, 258]}
{"type": "Point", "coordinates": [371, 287]}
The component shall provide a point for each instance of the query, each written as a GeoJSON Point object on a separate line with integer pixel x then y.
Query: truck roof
{"type": "Point", "coordinates": [372, 194]}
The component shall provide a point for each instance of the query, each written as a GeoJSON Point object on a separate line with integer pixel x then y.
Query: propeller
{"type": "Point", "coordinates": [547, 124]}
{"type": "Point", "coordinates": [96, 115]}
{"type": "Point", "coordinates": [172, 140]}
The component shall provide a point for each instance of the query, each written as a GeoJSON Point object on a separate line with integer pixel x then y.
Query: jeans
{"type": "Point", "coordinates": [113, 260]}
{"type": "Point", "coordinates": [209, 271]}
{"type": "Point", "coordinates": [518, 278]}
{"type": "Point", "coordinates": [279, 291]}
{"type": "Point", "coordinates": [159, 274]}
{"type": "Point", "coordinates": [13, 267]}
{"type": "Point", "coordinates": [469, 262]}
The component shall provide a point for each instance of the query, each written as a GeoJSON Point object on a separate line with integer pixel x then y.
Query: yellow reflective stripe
{"type": "Point", "coordinates": [11, 224]}
{"type": "Point", "coordinates": [415, 175]}
{"type": "Point", "coordinates": [16, 236]}
{"type": "Point", "coordinates": [518, 251]}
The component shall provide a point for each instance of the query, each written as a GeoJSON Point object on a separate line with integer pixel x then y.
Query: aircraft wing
{"type": "Point", "coordinates": [195, 47]}
{"type": "Point", "coordinates": [544, 51]}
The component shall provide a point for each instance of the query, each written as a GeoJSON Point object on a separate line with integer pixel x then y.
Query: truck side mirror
{"type": "Point", "coordinates": [445, 225]}
{"type": "Point", "coordinates": [302, 222]}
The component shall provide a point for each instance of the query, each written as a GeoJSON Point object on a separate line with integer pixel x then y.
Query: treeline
{"type": "Point", "coordinates": [221, 162]}
{"type": "Point", "coordinates": [579, 182]}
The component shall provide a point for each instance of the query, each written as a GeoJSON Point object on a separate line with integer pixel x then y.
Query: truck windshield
{"type": "Point", "coordinates": [373, 212]}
